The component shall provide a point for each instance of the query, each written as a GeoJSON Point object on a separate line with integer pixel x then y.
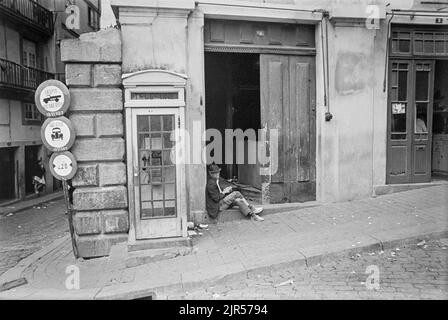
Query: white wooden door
{"type": "Point", "coordinates": [158, 172]}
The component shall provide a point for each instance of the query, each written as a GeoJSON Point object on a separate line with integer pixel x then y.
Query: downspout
{"type": "Point", "coordinates": [387, 52]}
{"type": "Point", "coordinates": [325, 61]}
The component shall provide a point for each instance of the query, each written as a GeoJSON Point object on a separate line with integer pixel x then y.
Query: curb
{"type": "Point", "coordinates": [16, 272]}
{"type": "Point", "coordinates": [32, 202]}
{"type": "Point", "coordinates": [162, 292]}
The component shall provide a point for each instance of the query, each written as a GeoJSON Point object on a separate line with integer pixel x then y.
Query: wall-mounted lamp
{"type": "Point", "coordinates": [328, 116]}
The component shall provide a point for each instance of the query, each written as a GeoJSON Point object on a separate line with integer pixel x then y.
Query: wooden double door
{"type": "Point", "coordinates": [287, 89]}
{"type": "Point", "coordinates": [410, 115]}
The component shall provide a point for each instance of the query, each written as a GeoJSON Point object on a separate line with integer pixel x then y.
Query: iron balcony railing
{"type": "Point", "coordinates": [29, 11]}
{"type": "Point", "coordinates": [20, 77]}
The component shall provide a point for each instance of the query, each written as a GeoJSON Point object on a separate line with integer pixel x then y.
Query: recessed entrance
{"type": "Point", "coordinates": [250, 91]}
{"type": "Point", "coordinates": [8, 174]}
{"type": "Point", "coordinates": [31, 158]}
{"type": "Point", "coordinates": [233, 102]}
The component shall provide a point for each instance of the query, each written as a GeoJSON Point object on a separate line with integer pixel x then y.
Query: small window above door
{"type": "Point", "coordinates": [154, 88]}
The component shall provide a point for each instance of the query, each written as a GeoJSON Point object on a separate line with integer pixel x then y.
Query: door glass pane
{"type": "Point", "coordinates": [170, 208]}
{"type": "Point", "coordinates": [398, 123]}
{"type": "Point", "coordinates": [145, 193]}
{"type": "Point", "coordinates": [142, 124]}
{"type": "Point", "coordinates": [157, 192]}
{"type": "Point", "coordinates": [421, 118]}
{"type": "Point", "coordinates": [157, 171]}
{"type": "Point", "coordinates": [156, 123]}
{"type": "Point", "coordinates": [421, 86]}
{"type": "Point", "coordinates": [146, 209]}
{"type": "Point", "coordinates": [398, 119]}
{"type": "Point", "coordinates": [402, 85]}
{"type": "Point", "coordinates": [170, 191]}
{"type": "Point", "coordinates": [405, 46]}
{"type": "Point", "coordinates": [156, 141]}
{"type": "Point", "coordinates": [168, 124]}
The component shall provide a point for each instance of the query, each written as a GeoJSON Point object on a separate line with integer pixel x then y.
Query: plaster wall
{"type": "Point", "coordinates": [11, 127]}
{"type": "Point", "coordinates": [351, 147]}
{"type": "Point", "coordinates": [149, 44]}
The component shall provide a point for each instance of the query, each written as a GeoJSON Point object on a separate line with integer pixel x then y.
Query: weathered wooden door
{"type": "Point", "coordinates": [410, 121]}
{"type": "Point", "coordinates": [157, 172]}
{"type": "Point", "coordinates": [288, 104]}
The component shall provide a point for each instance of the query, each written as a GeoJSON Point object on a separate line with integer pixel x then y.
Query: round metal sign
{"type": "Point", "coordinates": [52, 98]}
{"type": "Point", "coordinates": [58, 134]}
{"type": "Point", "coordinates": [63, 165]}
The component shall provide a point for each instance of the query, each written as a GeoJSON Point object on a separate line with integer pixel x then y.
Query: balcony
{"type": "Point", "coordinates": [17, 80]}
{"type": "Point", "coordinates": [28, 13]}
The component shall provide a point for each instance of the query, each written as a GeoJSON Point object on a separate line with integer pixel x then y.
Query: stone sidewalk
{"type": "Point", "coordinates": [295, 238]}
{"type": "Point", "coordinates": [13, 207]}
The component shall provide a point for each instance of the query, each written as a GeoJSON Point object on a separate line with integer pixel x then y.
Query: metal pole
{"type": "Point", "coordinates": [70, 218]}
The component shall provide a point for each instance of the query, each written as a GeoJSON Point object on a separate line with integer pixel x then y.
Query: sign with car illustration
{"type": "Point", "coordinates": [58, 134]}
{"type": "Point", "coordinates": [52, 98]}
{"type": "Point", "coordinates": [63, 165]}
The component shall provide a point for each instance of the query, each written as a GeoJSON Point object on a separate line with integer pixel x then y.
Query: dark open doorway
{"type": "Point", "coordinates": [8, 174]}
{"type": "Point", "coordinates": [31, 158]}
{"type": "Point", "coordinates": [232, 88]}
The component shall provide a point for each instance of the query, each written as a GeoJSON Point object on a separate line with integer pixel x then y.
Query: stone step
{"type": "Point", "coordinates": [234, 213]}
{"type": "Point", "coordinates": [162, 243]}
{"type": "Point", "coordinates": [379, 190]}
{"type": "Point", "coordinates": [140, 257]}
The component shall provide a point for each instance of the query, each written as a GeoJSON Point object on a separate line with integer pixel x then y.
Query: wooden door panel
{"type": "Point", "coordinates": [420, 160]}
{"type": "Point", "coordinates": [399, 164]}
{"type": "Point", "coordinates": [422, 120]}
{"type": "Point", "coordinates": [274, 89]}
{"type": "Point", "coordinates": [287, 104]}
{"type": "Point", "coordinates": [300, 162]}
{"type": "Point", "coordinates": [399, 129]}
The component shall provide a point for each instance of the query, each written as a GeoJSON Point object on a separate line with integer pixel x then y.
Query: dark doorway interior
{"type": "Point", "coordinates": [31, 157]}
{"type": "Point", "coordinates": [440, 121]}
{"type": "Point", "coordinates": [7, 176]}
{"type": "Point", "coordinates": [232, 89]}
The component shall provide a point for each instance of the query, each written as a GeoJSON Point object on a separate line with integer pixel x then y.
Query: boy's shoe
{"type": "Point", "coordinates": [257, 210]}
{"type": "Point", "coordinates": [257, 218]}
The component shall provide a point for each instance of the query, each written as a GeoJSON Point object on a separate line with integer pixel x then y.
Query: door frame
{"type": "Point", "coordinates": [149, 81]}
{"type": "Point", "coordinates": [410, 141]}
{"type": "Point", "coordinates": [138, 225]}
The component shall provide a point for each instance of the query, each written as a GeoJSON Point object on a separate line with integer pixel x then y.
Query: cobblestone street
{"type": "Point", "coordinates": [25, 232]}
{"type": "Point", "coordinates": [412, 272]}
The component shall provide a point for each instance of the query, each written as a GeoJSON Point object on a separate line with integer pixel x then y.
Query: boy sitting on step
{"type": "Point", "coordinates": [218, 199]}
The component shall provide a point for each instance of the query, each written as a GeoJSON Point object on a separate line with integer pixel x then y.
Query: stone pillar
{"type": "Point", "coordinates": [100, 199]}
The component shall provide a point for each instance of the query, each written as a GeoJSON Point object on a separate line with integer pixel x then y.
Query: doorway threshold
{"type": "Point", "coordinates": [380, 190]}
{"type": "Point", "coordinates": [234, 213]}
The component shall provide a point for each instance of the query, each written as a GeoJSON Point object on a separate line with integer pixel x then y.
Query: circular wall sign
{"type": "Point", "coordinates": [58, 134]}
{"type": "Point", "coordinates": [52, 98]}
{"type": "Point", "coordinates": [63, 165]}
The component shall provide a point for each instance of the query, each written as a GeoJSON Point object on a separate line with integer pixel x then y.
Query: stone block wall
{"type": "Point", "coordinates": [100, 200]}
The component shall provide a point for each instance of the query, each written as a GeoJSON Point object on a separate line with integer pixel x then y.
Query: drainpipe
{"type": "Point", "coordinates": [325, 60]}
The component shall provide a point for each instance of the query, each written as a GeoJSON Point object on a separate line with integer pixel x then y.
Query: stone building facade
{"type": "Point", "coordinates": [324, 73]}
